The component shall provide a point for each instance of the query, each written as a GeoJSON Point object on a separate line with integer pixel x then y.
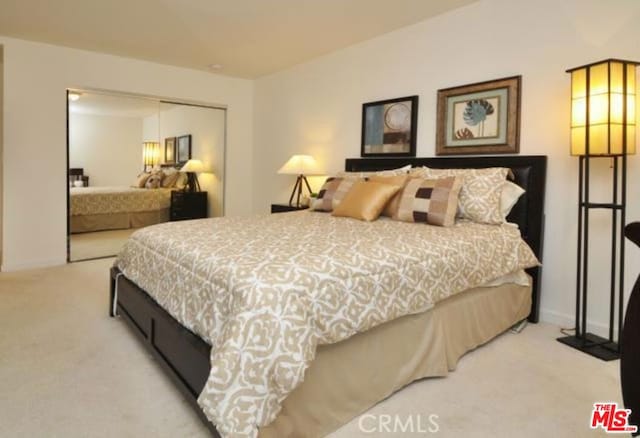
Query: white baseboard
{"type": "Point", "coordinates": [33, 264]}
{"type": "Point", "coordinates": [565, 320]}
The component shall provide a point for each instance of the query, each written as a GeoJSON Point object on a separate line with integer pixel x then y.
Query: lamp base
{"type": "Point", "coordinates": [298, 188]}
{"type": "Point", "coordinates": [595, 345]}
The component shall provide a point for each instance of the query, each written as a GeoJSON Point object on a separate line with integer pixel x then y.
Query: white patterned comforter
{"type": "Point", "coordinates": [265, 291]}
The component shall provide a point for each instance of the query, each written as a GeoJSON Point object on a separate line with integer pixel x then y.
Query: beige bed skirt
{"type": "Point", "coordinates": [117, 221]}
{"type": "Point", "coordinates": [351, 376]}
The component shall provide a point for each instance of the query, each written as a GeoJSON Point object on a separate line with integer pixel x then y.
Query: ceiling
{"type": "Point", "coordinates": [247, 38]}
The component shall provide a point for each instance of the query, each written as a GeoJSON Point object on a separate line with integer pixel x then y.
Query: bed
{"type": "Point", "coordinates": [346, 374]}
{"type": "Point", "coordinates": [113, 208]}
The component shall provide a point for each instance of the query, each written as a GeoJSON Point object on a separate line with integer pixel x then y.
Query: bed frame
{"type": "Point", "coordinates": [185, 356]}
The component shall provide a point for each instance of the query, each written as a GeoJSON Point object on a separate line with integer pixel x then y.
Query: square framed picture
{"type": "Point", "coordinates": [183, 145]}
{"type": "Point", "coordinates": [481, 118]}
{"type": "Point", "coordinates": [389, 128]}
{"type": "Point", "coordinates": [170, 150]}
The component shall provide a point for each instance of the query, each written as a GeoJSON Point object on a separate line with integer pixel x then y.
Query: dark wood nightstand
{"type": "Point", "coordinates": [188, 205]}
{"type": "Point", "coordinates": [283, 208]}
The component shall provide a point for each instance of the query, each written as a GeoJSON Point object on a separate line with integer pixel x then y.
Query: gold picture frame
{"type": "Point", "coordinates": [479, 118]}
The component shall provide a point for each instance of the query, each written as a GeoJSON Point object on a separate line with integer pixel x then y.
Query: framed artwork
{"type": "Point", "coordinates": [389, 128]}
{"type": "Point", "coordinates": [183, 144]}
{"type": "Point", "coordinates": [481, 118]}
{"type": "Point", "coordinates": [170, 150]}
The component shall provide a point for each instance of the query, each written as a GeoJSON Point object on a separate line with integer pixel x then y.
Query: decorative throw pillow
{"type": "Point", "coordinates": [400, 180]}
{"type": "Point", "coordinates": [365, 200]}
{"type": "Point", "coordinates": [511, 192]}
{"type": "Point", "coordinates": [332, 193]}
{"type": "Point", "coordinates": [480, 193]}
{"type": "Point", "coordinates": [141, 180]}
{"type": "Point", "coordinates": [431, 201]}
{"type": "Point", "coordinates": [391, 172]}
{"type": "Point", "coordinates": [170, 179]}
{"type": "Point", "coordinates": [154, 181]}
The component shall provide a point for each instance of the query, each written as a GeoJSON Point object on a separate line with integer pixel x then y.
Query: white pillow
{"type": "Point", "coordinates": [511, 192]}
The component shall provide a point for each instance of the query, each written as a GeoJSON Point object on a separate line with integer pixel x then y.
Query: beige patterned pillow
{"type": "Point", "coordinates": [154, 181]}
{"type": "Point", "coordinates": [332, 193]}
{"type": "Point", "coordinates": [141, 180]}
{"type": "Point", "coordinates": [431, 201]}
{"type": "Point", "coordinates": [391, 172]}
{"type": "Point", "coordinates": [480, 193]}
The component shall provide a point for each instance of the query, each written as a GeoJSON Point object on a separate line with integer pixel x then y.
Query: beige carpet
{"type": "Point", "coordinates": [68, 370]}
{"type": "Point", "coordinates": [86, 246]}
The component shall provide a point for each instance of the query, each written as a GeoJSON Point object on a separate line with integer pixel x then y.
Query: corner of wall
{"type": "Point", "coordinates": [1, 144]}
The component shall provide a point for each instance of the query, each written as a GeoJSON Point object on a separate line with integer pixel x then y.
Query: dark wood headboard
{"type": "Point", "coordinates": [529, 172]}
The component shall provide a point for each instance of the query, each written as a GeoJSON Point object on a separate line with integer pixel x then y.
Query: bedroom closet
{"type": "Point", "coordinates": [138, 161]}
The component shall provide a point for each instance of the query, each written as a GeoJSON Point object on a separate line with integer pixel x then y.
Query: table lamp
{"type": "Point", "coordinates": [300, 165]}
{"type": "Point", "coordinates": [193, 167]}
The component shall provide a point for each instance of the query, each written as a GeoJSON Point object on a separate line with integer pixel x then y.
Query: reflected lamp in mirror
{"type": "Point", "coordinates": [150, 154]}
{"type": "Point", "coordinates": [302, 166]}
{"type": "Point", "coordinates": [192, 168]}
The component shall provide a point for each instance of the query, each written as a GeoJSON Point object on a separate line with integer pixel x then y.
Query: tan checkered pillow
{"type": "Point", "coordinates": [332, 193]}
{"type": "Point", "coordinates": [480, 193]}
{"type": "Point", "coordinates": [431, 201]}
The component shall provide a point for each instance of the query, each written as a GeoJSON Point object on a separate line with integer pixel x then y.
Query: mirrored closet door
{"type": "Point", "coordinates": [136, 162]}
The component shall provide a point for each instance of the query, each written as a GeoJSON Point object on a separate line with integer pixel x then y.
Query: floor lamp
{"type": "Point", "coordinates": [300, 165]}
{"type": "Point", "coordinates": [602, 126]}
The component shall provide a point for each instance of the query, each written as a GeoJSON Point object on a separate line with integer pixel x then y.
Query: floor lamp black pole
{"type": "Point", "coordinates": [602, 348]}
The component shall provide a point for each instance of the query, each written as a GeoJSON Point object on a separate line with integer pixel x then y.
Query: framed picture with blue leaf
{"type": "Point", "coordinates": [480, 118]}
{"type": "Point", "coordinates": [389, 128]}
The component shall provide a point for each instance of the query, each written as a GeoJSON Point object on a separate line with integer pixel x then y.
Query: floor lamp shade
{"type": "Point", "coordinates": [603, 108]}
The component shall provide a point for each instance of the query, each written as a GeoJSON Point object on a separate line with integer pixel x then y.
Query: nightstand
{"type": "Point", "coordinates": [283, 208]}
{"type": "Point", "coordinates": [188, 205]}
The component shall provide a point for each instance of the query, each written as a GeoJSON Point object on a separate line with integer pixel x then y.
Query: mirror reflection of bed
{"type": "Point", "coordinates": [129, 159]}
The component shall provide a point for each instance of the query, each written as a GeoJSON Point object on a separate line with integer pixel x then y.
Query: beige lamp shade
{"type": "Point", "coordinates": [300, 165]}
{"type": "Point", "coordinates": [194, 166]}
{"type": "Point", "coordinates": [151, 153]}
{"type": "Point", "coordinates": [603, 108]}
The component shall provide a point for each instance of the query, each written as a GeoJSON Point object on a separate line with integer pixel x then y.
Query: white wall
{"type": "Point", "coordinates": [36, 76]}
{"type": "Point", "coordinates": [207, 129]}
{"type": "Point", "coordinates": [316, 108]}
{"type": "Point", "coordinates": [107, 147]}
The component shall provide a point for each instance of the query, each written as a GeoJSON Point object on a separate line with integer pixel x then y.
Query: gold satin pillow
{"type": "Point", "coordinates": [365, 200]}
{"type": "Point", "coordinates": [392, 206]}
